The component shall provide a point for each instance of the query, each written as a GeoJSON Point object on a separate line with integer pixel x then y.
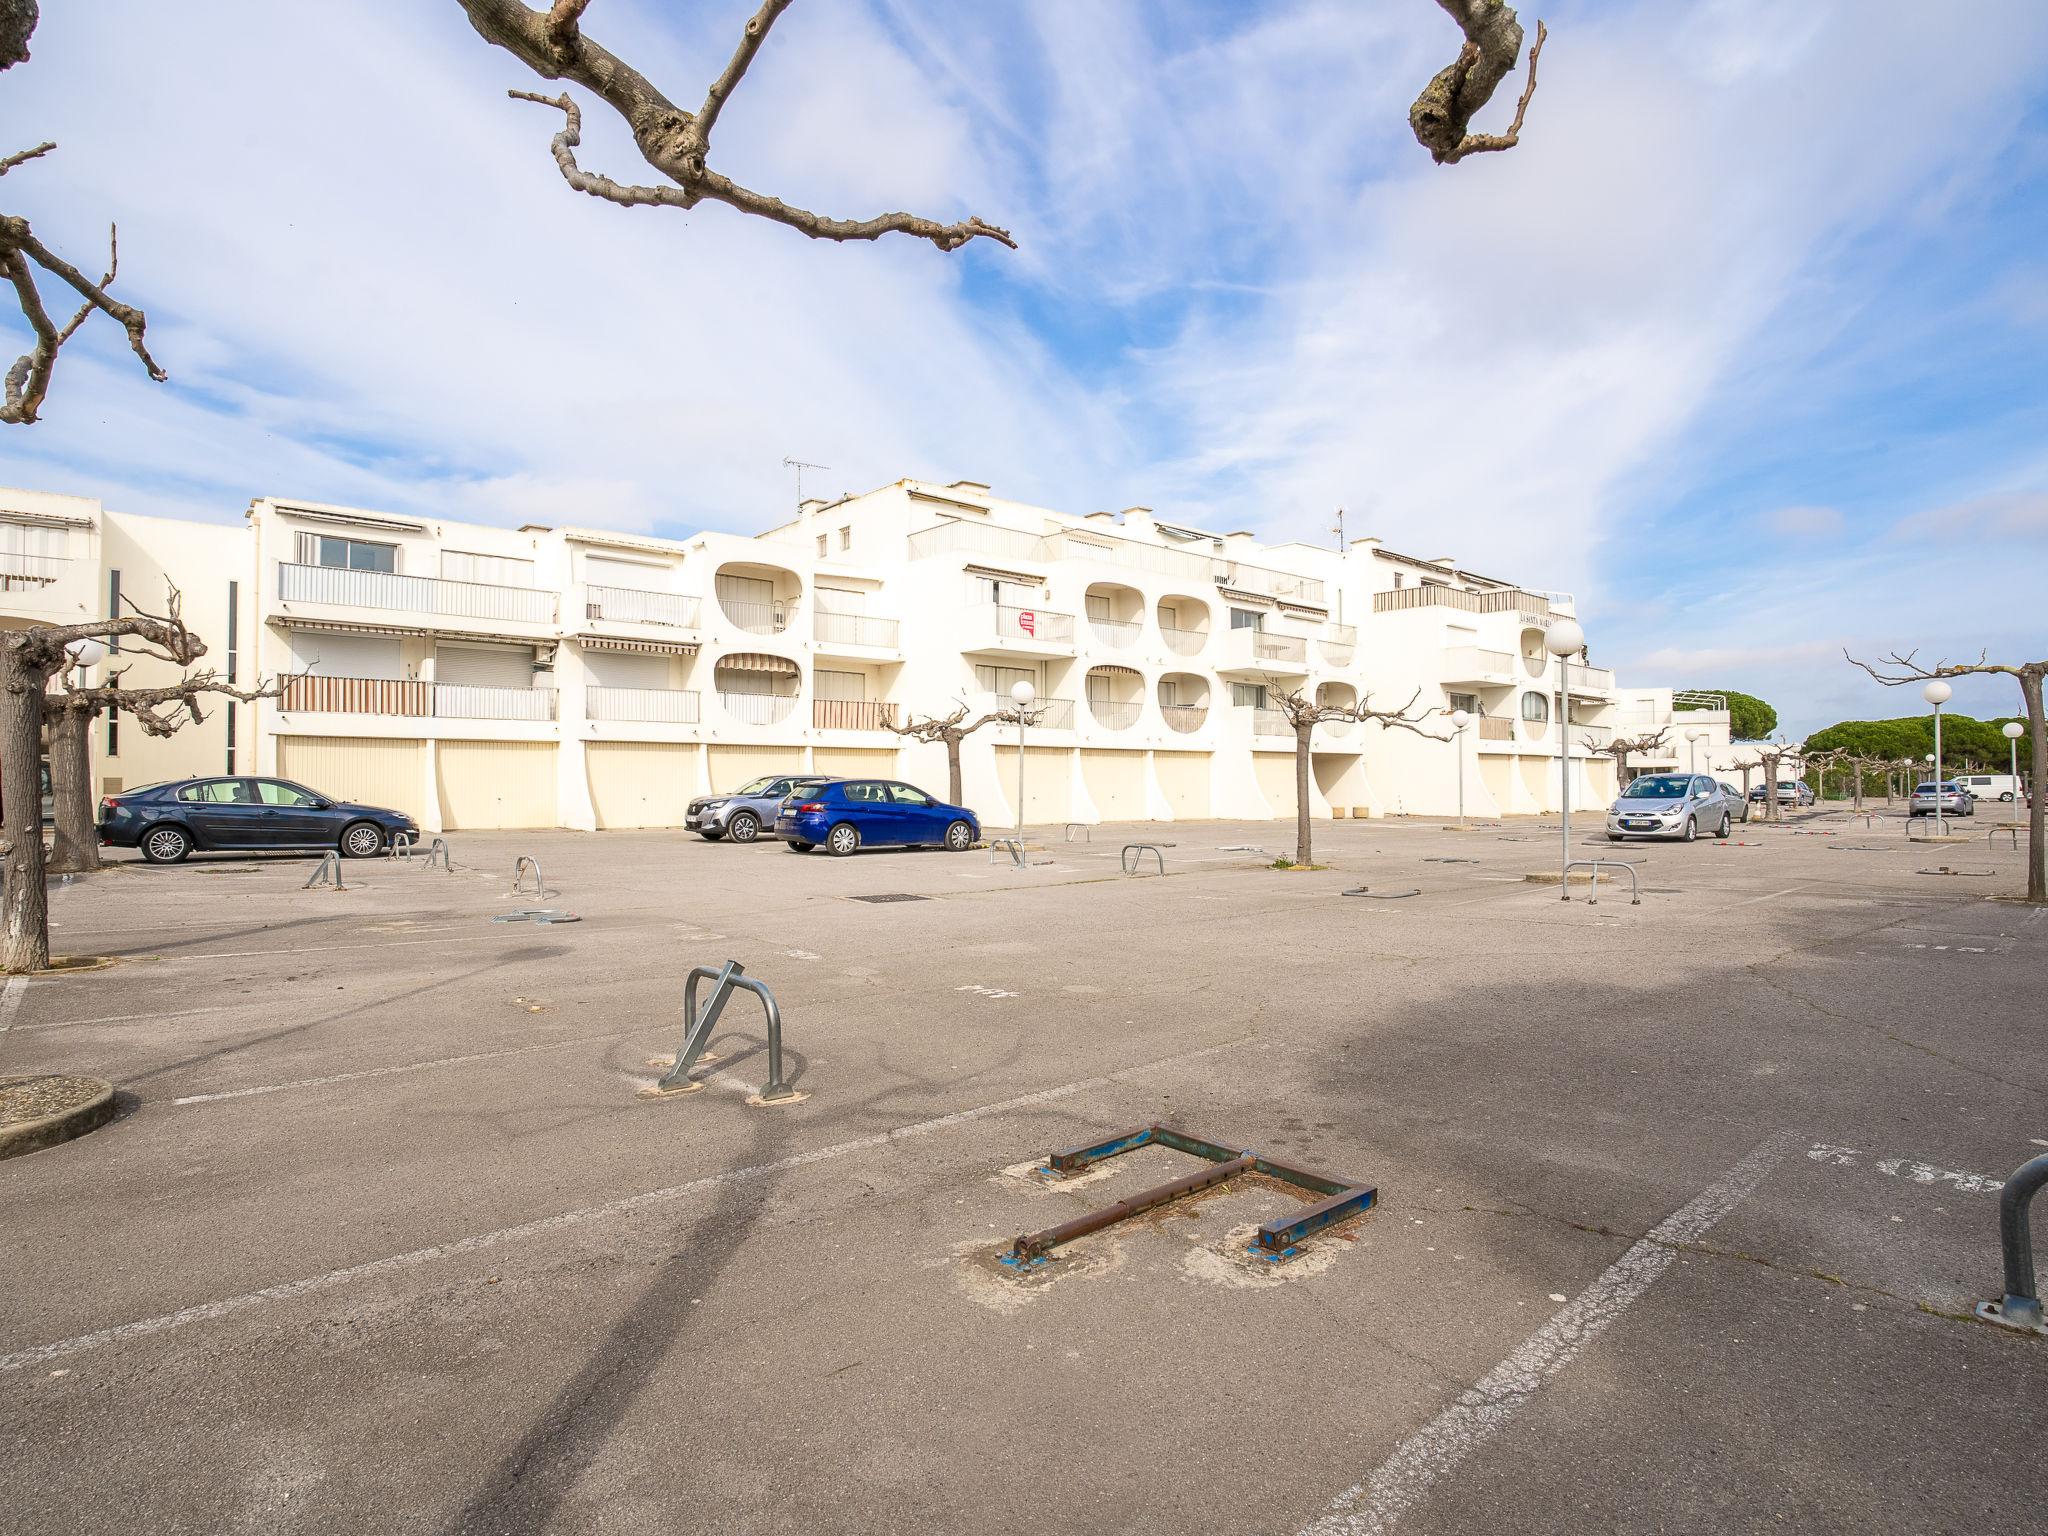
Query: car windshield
{"type": "Point", "coordinates": [758, 786]}
{"type": "Point", "coordinates": [1661, 787]}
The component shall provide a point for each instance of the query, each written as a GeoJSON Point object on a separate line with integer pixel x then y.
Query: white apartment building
{"type": "Point", "coordinates": [481, 676]}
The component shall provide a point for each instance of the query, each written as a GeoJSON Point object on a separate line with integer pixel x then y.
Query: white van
{"type": "Point", "coordinates": [1991, 786]}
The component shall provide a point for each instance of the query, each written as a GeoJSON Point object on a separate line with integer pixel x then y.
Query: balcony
{"type": "Point", "coordinates": [425, 595]}
{"type": "Point", "coordinates": [1044, 714]}
{"type": "Point", "coordinates": [1263, 652]}
{"type": "Point", "coordinates": [659, 706]}
{"type": "Point", "coordinates": [1338, 644]}
{"type": "Point", "coordinates": [1000, 628]}
{"type": "Point", "coordinates": [1184, 717]}
{"type": "Point", "coordinates": [1116, 714]}
{"type": "Point", "coordinates": [1470, 664]}
{"type": "Point", "coordinates": [1496, 728]}
{"type": "Point", "coordinates": [1132, 554]}
{"type": "Point", "coordinates": [851, 714]}
{"type": "Point", "coordinates": [1284, 585]}
{"type": "Point", "coordinates": [1504, 600]}
{"type": "Point", "coordinates": [1121, 633]}
{"type": "Point", "coordinates": [1271, 722]}
{"type": "Point", "coordinates": [757, 708]}
{"type": "Point", "coordinates": [1188, 642]}
{"type": "Point", "coordinates": [1592, 679]}
{"type": "Point", "coordinates": [755, 618]}
{"type": "Point", "coordinates": [1591, 736]}
{"type": "Point", "coordinates": [631, 605]}
{"type": "Point", "coordinates": [855, 629]}
{"type": "Point", "coordinates": [19, 572]}
{"type": "Point", "coordinates": [963, 538]}
{"type": "Point", "coordinates": [411, 696]}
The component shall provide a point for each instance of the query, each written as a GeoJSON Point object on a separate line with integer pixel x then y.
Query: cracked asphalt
{"type": "Point", "coordinates": [1683, 1206]}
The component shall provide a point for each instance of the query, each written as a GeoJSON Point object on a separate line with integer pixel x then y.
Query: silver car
{"type": "Point", "coordinates": [1948, 798]}
{"type": "Point", "coordinates": [749, 810]}
{"type": "Point", "coordinates": [1675, 805]}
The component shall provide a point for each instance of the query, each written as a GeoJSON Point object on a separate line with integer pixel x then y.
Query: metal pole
{"type": "Point", "coordinates": [1940, 830]}
{"type": "Point", "coordinates": [1020, 770]}
{"type": "Point", "coordinates": [1461, 774]}
{"type": "Point", "coordinates": [1564, 737]}
{"type": "Point", "coordinates": [2014, 743]}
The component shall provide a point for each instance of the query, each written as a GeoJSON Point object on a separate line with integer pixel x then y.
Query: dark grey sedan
{"type": "Point", "coordinates": [1674, 805]}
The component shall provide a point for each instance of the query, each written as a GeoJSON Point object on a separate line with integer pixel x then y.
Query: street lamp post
{"type": "Point", "coordinates": [1459, 720]}
{"type": "Point", "coordinates": [2012, 731]}
{"type": "Point", "coordinates": [1021, 694]}
{"type": "Point", "coordinates": [1564, 639]}
{"type": "Point", "coordinates": [1693, 737]}
{"type": "Point", "coordinates": [1937, 693]}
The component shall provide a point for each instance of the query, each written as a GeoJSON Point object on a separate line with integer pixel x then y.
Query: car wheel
{"type": "Point", "coordinates": [1727, 825]}
{"type": "Point", "coordinates": [959, 837]}
{"type": "Point", "coordinates": [744, 827]}
{"type": "Point", "coordinates": [166, 845]}
{"type": "Point", "coordinates": [796, 847]}
{"type": "Point", "coordinates": [361, 839]}
{"type": "Point", "coordinates": [2006, 796]}
{"type": "Point", "coordinates": [1692, 829]}
{"type": "Point", "coordinates": [842, 840]}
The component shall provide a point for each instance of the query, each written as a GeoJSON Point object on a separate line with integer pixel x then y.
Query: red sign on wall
{"type": "Point", "coordinates": [1027, 621]}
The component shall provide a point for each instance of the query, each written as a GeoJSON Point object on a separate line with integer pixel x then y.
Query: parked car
{"type": "Point", "coordinates": [752, 807]}
{"type": "Point", "coordinates": [1790, 792]}
{"type": "Point", "coordinates": [1737, 805]}
{"type": "Point", "coordinates": [845, 814]}
{"type": "Point", "coordinates": [1992, 786]}
{"type": "Point", "coordinates": [168, 821]}
{"type": "Point", "coordinates": [1680, 805]}
{"type": "Point", "coordinates": [1948, 797]}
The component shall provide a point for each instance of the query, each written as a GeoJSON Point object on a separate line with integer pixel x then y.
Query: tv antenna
{"type": "Point", "coordinates": [1338, 529]}
{"type": "Point", "coordinates": [800, 466]}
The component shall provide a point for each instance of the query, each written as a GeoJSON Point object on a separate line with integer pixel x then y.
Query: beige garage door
{"type": "Point", "coordinates": [1276, 780]}
{"type": "Point", "coordinates": [369, 771]}
{"type": "Point", "coordinates": [641, 783]}
{"type": "Point", "coordinates": [1540, 779]}
{"type": "Point", "coordinates": [1116, 783]}
{"type": "Point", "coordinates": [1497, 774]}
{"type": "Point", "coordinates": [856, 762]}
{"type": "Point", "coordinates": [733, 766]}
{"type": "Point", "coordinates": [1047, 796]}
{"type": "Point", "coordinates": [1184, 780]}
{"type": "Point", "coordinates": [497, 783]}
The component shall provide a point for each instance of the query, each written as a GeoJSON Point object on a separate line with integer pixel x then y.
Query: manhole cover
{"type": "Point", "coordinates": [892, 896]}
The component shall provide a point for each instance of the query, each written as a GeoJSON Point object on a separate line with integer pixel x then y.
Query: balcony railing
{"type": "Point", "coordinates": [1188, 642]}
{"type": "Point", "coordinates": [1601, 678]}
{"type": "Point", "coordinates": [19, 570]}
{"type": "Point", "coordinates": [1184, 717]}
{"type": "Point", "coordinates": [1284, 585]}
{"type": "Point", "coordinates": [1508, 600]}
{"type": "Point", "coordinates": [851, 714]}
{"type": "Point", "coordinates": [955, 537]}
{"type": "Point", "coordinates": [1116, 714]}
{"type": "Point", "coordinates": [632, 605]}
{"type": "Point", "coordinates": [1465, 663]}
{"type": "Point", "coordinates": [757, 708]}
{"type": "Point", "coordinates": [1496, 728]}
{"type": "Point", "coordinates": [1268, 646]}
{"type": "Point", "coordinates": [1337, 727]}
{"type": "Point", "coordinates": [413, 594]}
{"type": "Point", "coordinates": [1591, 735]}
{"type": "Point", "coordinates": [1040, 624]}
{"type": "Point", "coordinates": [661, 706]}
{"type": "Point", "coordinates": [411, 696]}
{"type": "Point", "coordinates": [855, 629]}
{"type": "Point", "coordinates": [1270, 722]}
{"type": "Point", "coordinates": [1338, 644]}
{"type": "Point", "coordinates": [755, 618]}
{"type": "Point", "coordinates": [1134, 554]}
{"type": "Point", "coordinates": [1044, 714]}
{"type": "Point", "coordinates": [1118, 632]}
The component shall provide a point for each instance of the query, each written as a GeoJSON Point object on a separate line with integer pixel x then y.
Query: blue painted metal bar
{"type": "Point", "coordinates": [1074, 1159]}
{"type": "Point", "coordinates": [1276, 1239]}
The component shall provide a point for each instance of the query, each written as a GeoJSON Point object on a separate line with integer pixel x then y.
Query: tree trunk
{"type": "Point", "coordinates": [2037, 844]}
{"type": "Point", "coordinates": [953, 770]}
{"type": "Point", "coordinates": [1304, 853]}
{"type": "Point", "coordinates": [1771, 792]}
{"type": "Point", "coordinates": [75, 845]}
{"type": "Point", "coordinates": [24, 903]}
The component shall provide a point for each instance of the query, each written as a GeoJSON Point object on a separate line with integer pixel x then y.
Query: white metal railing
{"type": "Point", "coordinates": [757, 708]}
{"type": "Point", "coordinates": [1506, 600]}
{"type": "Point", "coordinates": [851, 714]}
{"type": "Point", "coordinates": [476, 701]}
{"type": "Point", "coordinates": [1340, 634]}
{"type": "Point", "coordinates": [1044, 714]}
{"type": "Point", "coordinates": [32, 570]}
{"type": "Point", "coordinates": [755, 618]}
{"type": "Point", "coordinates": [1184, 717]}
{"type": "Point", "coordinates": [1041, 624]}
{"type": "Point", "coordinates": [1690, 699]}
{"type": "Point", "coordinates": [1135, 554]}
{"type": "Point", "coordinates": [1269, 582]}
{"type": "Point", "coordinates": [662, 706]}
{"type": "Point", "coordinates": [1269, 646]}
{"type": "Point", "coordinates": [1117, 632]}
{"type": "Point", "coordinates": [1270, 722]}
{"type": "Point", "coordinates": [1188, 642]}
{"type": "Point", "coordinates": [413, 594]}
{"type": "Point", "coordinates": [1337, 653]}
{"type": "Point", "coordinates": [855, 629]}
{"type": "Point", "coordinates": [632, 605]}
{"type": "Point", "coordinates": [1116, 714]}
{"type": "Point", "coordinates": [1463, 663]}
{"type": "Point", "coordinates": [1593, 677]}
{"type": "Point", "coordinates": [315, 694]}
{"type": "Point", "coordinates": [1337, 727]}
{"type": "Point", "coordinates": [955, 537]}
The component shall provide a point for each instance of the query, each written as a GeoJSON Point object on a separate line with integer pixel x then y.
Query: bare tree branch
{"type": "Point", "coordinates": [17, 21]}
{"type": "Point", "coordinates": [22, 157]}
{"type": "Point", "coordinates": [751, 39]}
{"type": "Point", "coordinates": [1443, 113]}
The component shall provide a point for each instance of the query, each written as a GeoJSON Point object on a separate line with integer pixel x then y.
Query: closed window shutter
{"type": "Point", "coordinates": [484, 666]}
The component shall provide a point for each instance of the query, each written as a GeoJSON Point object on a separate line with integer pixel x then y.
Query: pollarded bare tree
{"type": "Point", "coordinates": [1622, 748]}
{"type": "Point", "coordinates": [1895, 671]}
{"type": "Point", "coordinates": [29, 659]}
{"type": "Point", "coordinates": [676, 142]}
{"type": "Point", "coordinates": [951, 729]}
{"type": "Point", "coordinates": [1769, 755]}
{"type": "Point", "coordinates": [22, 254]}
{"type": "Point", "coordinates": [1304, 714]}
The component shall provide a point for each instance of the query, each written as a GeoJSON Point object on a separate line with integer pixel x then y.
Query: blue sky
{"type": "Point", "coordinates": [1743, 345]}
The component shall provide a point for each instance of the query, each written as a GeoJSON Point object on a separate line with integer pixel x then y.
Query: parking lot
{"type": "Point", "coordinates": [1682, 1209]}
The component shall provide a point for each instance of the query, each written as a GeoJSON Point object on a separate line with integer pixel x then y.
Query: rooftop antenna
{"type": "Point", "coordinates": [800, 466]}
{"type": "Point", "coordinates": [1338, 529]}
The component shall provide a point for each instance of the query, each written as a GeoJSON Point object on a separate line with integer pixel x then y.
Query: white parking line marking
{"type": "Point", "coordinates": [316, 949]}
{"type": "Point", "coordinates": [10, 1001]}
{"type": "Point", "coordinates": [981, 991]}
{"type": "Point", "coordinates": [141, 1018]}
{"type": "Point", "coordinates": [1771, 896]}
{"type": "Point", "coordinates": [1433, 1452]}
{"type": "Point", "coordinates": [1907, 1168]}
{"type": "Point", "coordinates": [408, 1066]}
{"type": "Point", "coordinates": [208, 1311]}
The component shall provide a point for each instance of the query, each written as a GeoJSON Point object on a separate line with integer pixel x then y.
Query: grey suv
{"type": "Point", "coordinates": [743, 814]}
{"type": "Point", "coordinates": [1680, 805]}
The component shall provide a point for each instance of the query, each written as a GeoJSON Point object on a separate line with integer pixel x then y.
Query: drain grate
{"type": "Point", "coordinates": [890, 896]}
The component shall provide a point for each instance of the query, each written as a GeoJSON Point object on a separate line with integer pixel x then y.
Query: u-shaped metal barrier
{"type": "Point", "coordinates": [327, 873]}
{"type": "Point", "coordinates": [2021, 1305]}
{"type": "Point", "coordinates": [528, 861]}
{"type": "Point", "coordinates": [1635, 886]}
{"type": "Point", "coordinates": [698, 1030]}
{"type": "Point", "coordinates": [1133, 857]}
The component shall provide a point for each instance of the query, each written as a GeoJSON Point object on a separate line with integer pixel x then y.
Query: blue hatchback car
{"type": "Point", "coordinates": [168, 821]}
{"type": "Point", "coordinates": [840, 817]}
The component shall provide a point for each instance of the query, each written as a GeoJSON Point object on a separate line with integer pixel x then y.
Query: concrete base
{"type": "Point", "coordinates": [41, 1110]}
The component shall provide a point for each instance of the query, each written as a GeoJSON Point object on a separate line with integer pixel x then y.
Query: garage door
{"type": "Point", "coordinates": [1276, 781]}
{"type": "Point", "coordinates": [1116, 783]}
{"type": "Point", "coordinates": [733, 766]}
{"type": "Point", "coordinates": [1047, 796]}
{"type": "Point", "coordinates": [856, 762]}
{"type": "Point", "coordinates": [641, 783]}
{"type": "Point", "coordinates": [368, 771]}
{"type": "Point", "coordinates": [1184, 781]}
{"type": "Point", "coordinates": [1497, 774]}
{"type": "Point", "coordinates": [1539, 781]}
{"type": "Point", "coordinates": [497, 783]}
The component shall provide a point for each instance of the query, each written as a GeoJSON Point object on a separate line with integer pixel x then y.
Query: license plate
{"type": "Point", "coordinates": [1640, 826]}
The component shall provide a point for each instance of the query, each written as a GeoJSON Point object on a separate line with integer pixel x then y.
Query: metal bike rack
{"type": "Point", "coordinates": [1277, 1240]}
{"type": "Point", "coordinates": [2021, 1305]}
{"type": "Point", "coordinates": [401, 845]}
{"type": "Point", "coordinates": [698, 1032]}
{"type": "Point", "coordinates": [438, 854]}
{"type": "Point", "coordinates": [1133, 857]}
{"type": "Point", "coordinates": [1635, 886]}
{"type": "Point", "coordinates": [1088, 832]}
{"type": "Point", "coordinates": [528, 861]}
{"type": "Point", "coordinates": [328, 873]}
{"type": "Point", "coordinates": [1006, 847]}
{"type": "Point", "coordinates": [1992, 832]}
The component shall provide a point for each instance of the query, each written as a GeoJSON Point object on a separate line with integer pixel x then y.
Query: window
{"type": "Point", "coordinates": [216, 792]}
{"type": "Point", "coordinates": [1001, 680]}
{"type": "Point", "coordinates": [839, 685]}
{"type": "Point", "coordinates": [234, 644]}
{"type": "Point", "coordinates": [113, 612]}
{"type": "Point", "coordinates": [1468, 702]}
{"type": "Point", "coordinates": [821, 546]}
{"type": "Point", "coordinates": [273, 792]}
{"type": "Point", "coordinates": [1535, 707]}
{"type": "Point", "coordinates": [846, 538]}
{"type": "Point", "coordinates": [346, 554]}
{"type": "Point", "coordinates": [1247, 618]}
{"type": "Point", "coordinates": [1248, 695]}
{"type": "Point", "coordinates": [231, 738]}
{"type": "Point", "coordinates": [487, 570]}
{"type": "Point", "coordinates": [903, 794]}
{"type": "Point", "coordinates": [1398, 582]}
{"type": "Point", "coordinates": [866, 794]}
